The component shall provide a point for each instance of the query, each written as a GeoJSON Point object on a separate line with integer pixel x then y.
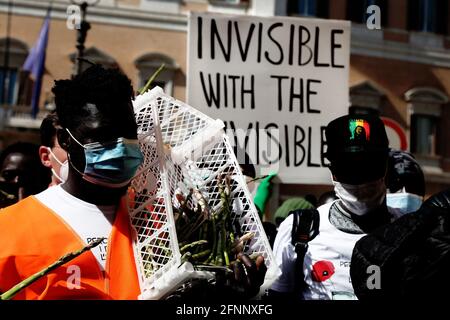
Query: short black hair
{"type": "Point", "coordinates": [37, 177]}
{"type": "Point", "coordinates": [404, 172]}
{"type": "Point", "coordinates": [28, 149]}
{"type": "Point", "coordinates": [48, 129]}
{"type": "Point", "coordinates": [108, 89]}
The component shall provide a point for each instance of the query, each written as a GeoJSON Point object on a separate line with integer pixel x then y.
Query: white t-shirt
{"type": "Point", "coordinates": [327, 262]}
{"type": "Point", "coordinates": [326, 265]}
{"type": "Point", "coordinates": [89, 221]}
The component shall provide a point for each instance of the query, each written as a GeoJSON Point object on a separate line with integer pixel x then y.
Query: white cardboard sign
{"type": "Point", "coordinates": [275, 82]}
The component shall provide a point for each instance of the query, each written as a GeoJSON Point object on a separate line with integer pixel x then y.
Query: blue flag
{"type": "Point", "coordinates": [35, 64]}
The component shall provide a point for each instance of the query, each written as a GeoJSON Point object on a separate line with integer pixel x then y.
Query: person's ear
{"type": "Point", "coordinates": [44, 155]}
{"type": "Point", "coordinates": [63, 139]}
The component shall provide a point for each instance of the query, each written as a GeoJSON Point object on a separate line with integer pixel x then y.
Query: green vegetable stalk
{"type": "Point", "coordinates": [192, 245]}
{"type": "Point", "coordinates": [63, 260]}
{"type": "Point", "coordinates": [209, 238]}
{"type": "Point", "coordinates": [151, 79]}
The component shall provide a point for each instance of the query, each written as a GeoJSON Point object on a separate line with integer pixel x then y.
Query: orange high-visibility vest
{"type": "Point", "coordinates": [32, 237]}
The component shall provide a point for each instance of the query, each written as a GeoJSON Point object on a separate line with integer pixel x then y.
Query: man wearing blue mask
{"type": "Point", "coordinates": [99, 133]}
{"type": "Point", "coordinates": [405, 182]}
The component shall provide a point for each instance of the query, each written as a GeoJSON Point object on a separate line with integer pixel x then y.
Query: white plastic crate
{"type": "Point", "coordinates": [182, 148]}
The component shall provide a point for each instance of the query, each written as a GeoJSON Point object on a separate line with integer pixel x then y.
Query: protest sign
{"type": "Point", "coordinates": [275, 82]}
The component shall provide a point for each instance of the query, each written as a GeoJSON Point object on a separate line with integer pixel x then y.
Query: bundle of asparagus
{"type": "Point", "coordinates": [209, 238]}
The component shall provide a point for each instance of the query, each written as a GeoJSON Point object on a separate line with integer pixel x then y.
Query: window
{"type": "Point", "coordinates": [357, 10]}
{"type": "Point", "coordinates": [424, 134]}
{"type": "Point", "coordinates": [425, 106]}
{"type": "Point", "coordinates": [8, 85]}
{"type": "Point", "coordinates": [365, 98]}
{"type": "Point", "coordinates": [309, 8]}
{"type": "Point", "coordinates": [147, 66]}
{"type": "Point", "coordinates": [14, 88]}
{"type": "Point", "coordinates": [428, 16]}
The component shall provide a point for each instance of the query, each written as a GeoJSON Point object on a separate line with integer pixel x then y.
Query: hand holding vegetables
{"type": "Point", "coordinates": [248, 275]}
{"type": "Point", "coordinates": [240, 284]}
{"type": "Point", "coordinates": [211, 238]}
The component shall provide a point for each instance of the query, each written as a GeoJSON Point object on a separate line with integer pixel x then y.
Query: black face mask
{"type": "Point", "coordinates": [9, 193]}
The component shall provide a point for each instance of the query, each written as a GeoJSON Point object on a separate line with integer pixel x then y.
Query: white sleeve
{"type": "Point", "coordinates": [285, 257]}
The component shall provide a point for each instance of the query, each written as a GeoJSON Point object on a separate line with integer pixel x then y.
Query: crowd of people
{"type": "Point", "coordinates": [61, 195]}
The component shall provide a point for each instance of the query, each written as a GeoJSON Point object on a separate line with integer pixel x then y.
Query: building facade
{"type": "Point", "coordinates": [400, 71]}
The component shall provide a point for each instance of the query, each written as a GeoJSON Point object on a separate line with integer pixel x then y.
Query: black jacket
{"type": "Point", "coordinates": [413, 256]}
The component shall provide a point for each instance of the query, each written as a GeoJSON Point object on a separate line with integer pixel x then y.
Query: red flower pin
{"type": "Point", "coordinates": [322, 270]}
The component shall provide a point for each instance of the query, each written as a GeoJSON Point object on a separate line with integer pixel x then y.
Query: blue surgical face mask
{"type": "Point", "coordinates": [404, 202]}
{"type": "Point", "coordinates": [113, 164]}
